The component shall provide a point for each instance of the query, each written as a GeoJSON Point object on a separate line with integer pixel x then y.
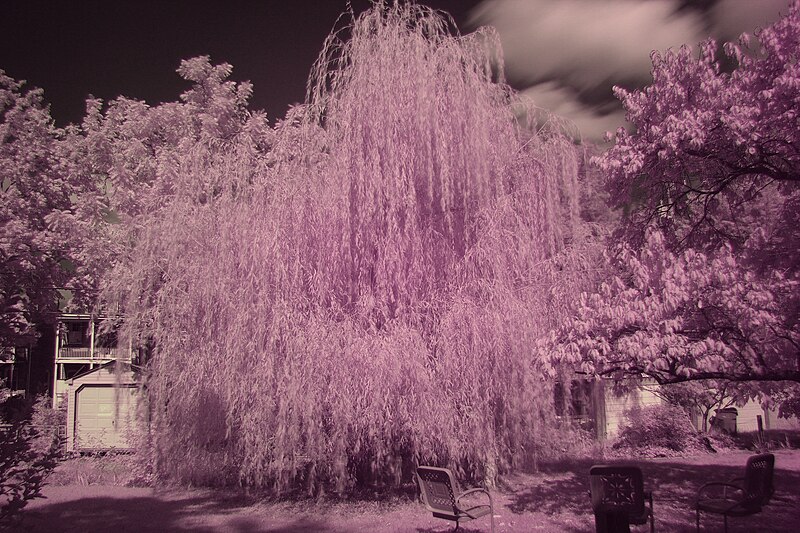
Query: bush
{"type": "Point", "coordinates": [772, 439]}
{"type": "Point", "coordinates": [47, 421]}
{"type": "Point", "coordinates": [658, 431]}
{"type": "Point", "coordinates": [26, 460]}
{"type": "Point", "coordinates": [100, 468]}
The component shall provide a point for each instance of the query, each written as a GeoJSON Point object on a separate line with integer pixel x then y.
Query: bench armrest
{"type": "Point", "coordinates": [725, 487]}
{"type": "Point", "coordinates": [474, 491]}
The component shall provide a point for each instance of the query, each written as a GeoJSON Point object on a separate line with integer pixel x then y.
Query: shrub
{"type": "Point", "coordinates": [97, 469]}
{"type": "Point", "coordinates": [26, 460]}
{"type": "Point", "coordinates": [657, 431]}
{"type": "Point", "coordinates": [47, 422]}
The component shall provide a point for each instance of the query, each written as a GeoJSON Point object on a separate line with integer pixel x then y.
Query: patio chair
{"type": "Point", "coordinates": [442, 496]}
{"type": "Point", "coordinates": [618, 498]}
{"type": "Point", "coordinates": [741, 496]}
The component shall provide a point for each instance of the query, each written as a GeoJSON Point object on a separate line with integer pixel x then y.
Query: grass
{"type": "Point", "coordinates": [87, 494]}
{"type": "Point", "coordinates": [773, 439]}
{"type": "Point", "coordinates": [95, 469]}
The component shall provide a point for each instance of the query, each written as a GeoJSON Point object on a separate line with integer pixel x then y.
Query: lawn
{"type": "Point", "coordinates": [553, 499]}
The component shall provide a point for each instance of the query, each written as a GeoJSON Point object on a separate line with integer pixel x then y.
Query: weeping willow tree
{"type": "Point", "coordinates": [375, 298]}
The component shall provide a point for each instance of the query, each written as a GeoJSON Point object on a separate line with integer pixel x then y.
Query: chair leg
{"type": "Point", "coordinates": [491, 513]}
{"type": "Point", "coordinates": [725, 518]}
{"type": "Point", "coordinates": [698, 521]}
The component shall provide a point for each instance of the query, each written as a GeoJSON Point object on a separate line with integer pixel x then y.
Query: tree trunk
{"type": "Point", "coordinates": [490, 470]}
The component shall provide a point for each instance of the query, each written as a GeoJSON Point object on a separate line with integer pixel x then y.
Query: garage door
{"type": "Point", "coordinates": [104, 416]}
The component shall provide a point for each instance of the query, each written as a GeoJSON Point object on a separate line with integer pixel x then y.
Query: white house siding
{"type": "Point", "coordinates": [61, 389]}
{"type": "Point", "coordinates": [617, 404]}
{"type": "Point", "coordinates": [782, 423]}
{"type": "Point", "coordinates": [746, 419]}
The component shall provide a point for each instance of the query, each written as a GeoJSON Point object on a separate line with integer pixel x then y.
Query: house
{"type": "Point", "coordinates": [15, 371]}
{"type": "Point", "coordinates": [102, 406]}
{"type": "Point", "coordinates": [83, 342]}
{"type": "Point", "coordinates": [618, 398]}
{"type": "Point", "coordinates": [599, 405]}
{"type": "Point", "coordinates": [746, 416]}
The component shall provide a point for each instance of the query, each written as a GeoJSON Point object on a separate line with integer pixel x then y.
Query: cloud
{"type": "Point", "coordinates": [567, 54]}
{"type": "Point", "coordinates": [583, 43]}
{"type": "Point", "coordinates": [590, 121]}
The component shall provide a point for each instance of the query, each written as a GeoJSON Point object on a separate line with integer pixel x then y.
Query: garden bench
{"type": "Point", "coordinates": [741, 496]}
{"type": "Point", "coordinates": [618, 498]}
{"type": "Point", "coordinates": [442, 496]}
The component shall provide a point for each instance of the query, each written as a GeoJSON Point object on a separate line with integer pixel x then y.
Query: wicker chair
{"type": "Point", "coordinates": [442, 496]}
{"type": "Point", "coordinates": [741, 496]}
{"type": "Point", "coordinates": [618, 498]}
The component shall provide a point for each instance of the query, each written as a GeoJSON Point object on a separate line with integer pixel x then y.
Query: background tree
{"type": "Point", "coordinates": [706, 285]}
{"type": "Point", "coordinates": [35, 187]}
{"type": "Point", "coordinates": [141, 159]}
{"type": "Point", "coordinates": [716, 153]}
{"type": "Point", "coordinates": [680, 316]}
{"type": "Point", "coordinates": [700, 397]}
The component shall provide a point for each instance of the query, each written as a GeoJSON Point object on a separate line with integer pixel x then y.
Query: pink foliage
{"type": "Point", "coordinates": [687, 315]}
{"type": "Point", "coordinates": [369, 296]}
{"type": "Point", "coordinates": [710, 178]}
{"type": "Point", "coordinates": [35, 188]}
{"type": "Point", "coordinates": [699, 129]}
{"type": "Point", "coordinates": [709, 144]}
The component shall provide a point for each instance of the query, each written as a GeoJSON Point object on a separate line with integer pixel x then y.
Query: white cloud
{"type": "Point", "coordinates": [568, 52]}
{"type": "Point", "coordinates": [592, 122]}
{"type": "Point", "coordinates": [585, 42]}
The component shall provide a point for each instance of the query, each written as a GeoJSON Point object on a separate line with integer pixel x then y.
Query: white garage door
{"type": "Point", "coordinates": [104, 416]}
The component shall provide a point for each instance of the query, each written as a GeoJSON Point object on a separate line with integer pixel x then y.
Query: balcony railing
{"type": "Point", "coordinates": [100, 352]}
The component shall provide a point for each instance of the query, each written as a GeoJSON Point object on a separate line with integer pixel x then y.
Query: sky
{"type": "Point", "coordinates": [564, 54]}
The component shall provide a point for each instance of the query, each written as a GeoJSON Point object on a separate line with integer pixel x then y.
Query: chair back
{"type": "Point", "coordinates": [617, 487]}
{"type": "Point", "coordinates": [758, 478]}
{"type": "Point", "coordinates": [438, 487]}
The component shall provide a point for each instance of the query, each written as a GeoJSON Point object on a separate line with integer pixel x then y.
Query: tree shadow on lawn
{"type": "Point", "coordinates": [203, 513]}
{"type": "Point", "coordinates": [444, 528]}
{"type": "Point", "coordinates": [564, 488]}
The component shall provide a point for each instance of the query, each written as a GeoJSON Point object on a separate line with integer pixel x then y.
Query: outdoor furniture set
{"type": "Point", "coordinates": [617, 494]}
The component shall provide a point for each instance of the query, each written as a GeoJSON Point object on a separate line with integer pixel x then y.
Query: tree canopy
{"type": "Point", "coordinates": [707, 144]}
{"type": "Point", "coordinates": [35, 187]}
{"type": "Point", "coordinates": [706, 284]}
{"type": "Point", "coordinates": [362, 294]}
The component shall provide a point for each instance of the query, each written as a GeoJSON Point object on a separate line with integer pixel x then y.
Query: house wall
{"type": "Point", "coordinates": [782, 423]}
{"type": "Point", "coordinates": [60, 392]}
{"type": "Point", "coordinates": [746, 419]}
{"type": "Point", "coordinates": [610, 402]}
{"type": "Point", "coordinates": [616, 403]}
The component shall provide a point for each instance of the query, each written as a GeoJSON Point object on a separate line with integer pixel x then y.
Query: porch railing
{"type": "Point", "coordinates": [100, 352]}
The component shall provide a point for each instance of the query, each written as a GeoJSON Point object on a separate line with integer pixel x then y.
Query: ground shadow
{"type": "Point", "coordinates": [555, 498]}
{"type": "Point", "coordinates": [449, 528]}
{"type": "Point", "coordinates": [561, 487]}
{"type": "Point", "coordinates": [155, 514]}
